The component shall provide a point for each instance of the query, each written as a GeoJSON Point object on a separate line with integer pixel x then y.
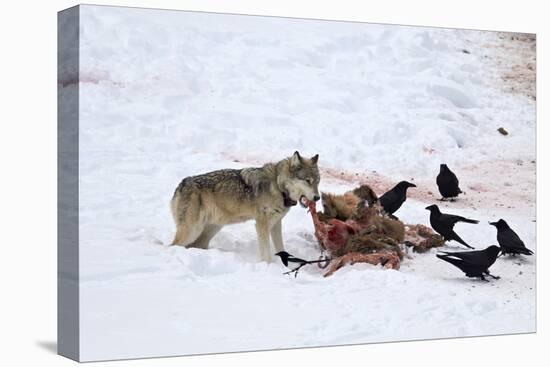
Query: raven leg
{"type": "Point", "coordinates": [491, 275]}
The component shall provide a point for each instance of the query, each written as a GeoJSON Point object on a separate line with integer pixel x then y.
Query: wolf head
{"type": "Point", "coordinates": [300, 178]}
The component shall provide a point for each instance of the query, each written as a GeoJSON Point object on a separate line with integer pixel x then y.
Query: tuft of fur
{"type": "Point", "coordinates": [339, 207]}
{"type": "Point", "coordinates": [372, 218]}
{"type": "Point", "coordinates": [422, 238]}
{"type": "Point", "coordinates": [344, 207]}
{"type": "Point", "coordinates": [366, 193]}
{"type": "Point", "coordinates": [370, 242]}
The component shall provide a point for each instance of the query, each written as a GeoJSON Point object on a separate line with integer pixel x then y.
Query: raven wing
{"type": "Point", "coordinates": [453, 178]}
{"type": "Point", "coordinates": [451, 220]}
{"type": "Point", "coordinates": [471, 257]}
{"type": "Point", "coordinates": [388, 197]}
{"type": "Point", "coordinates": [510, 239]}
{"type": "Point", "coordinates": [294, 259]}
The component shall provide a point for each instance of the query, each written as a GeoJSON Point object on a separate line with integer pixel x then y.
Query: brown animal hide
{"type": "Point", "coordinates": [362, 228]}
{"type": "Point", "coordinates": [339, 207]}
{"type": "Point", "coordinates": [366, 243]}
{"type": "Point", "coordinates": [388, 260]}
{"type": "Point", "coordinates": [364, 192]}
{"type": "Point", "coordinates": [421, 238]}
{"type": "Point", "coordinates": [343, 207]}
{"type": "Point", "coordinates": [372, 220]}
{"type": "Point", "coordinates": [353, 228]}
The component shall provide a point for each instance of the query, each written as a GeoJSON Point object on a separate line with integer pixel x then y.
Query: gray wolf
{"type": "Point", "coordinates": [203, 204]}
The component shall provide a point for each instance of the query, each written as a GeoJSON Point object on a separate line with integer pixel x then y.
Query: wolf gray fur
{"type": "Point", "coordinates": [203, 204]}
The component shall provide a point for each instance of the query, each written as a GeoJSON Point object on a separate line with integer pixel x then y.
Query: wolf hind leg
{"type": "Point", "coordinates": [187, 234]}
{"type": "Point", "coordinates": [186, 209]}
{"type": "Point", "coordinates": [207, 234]}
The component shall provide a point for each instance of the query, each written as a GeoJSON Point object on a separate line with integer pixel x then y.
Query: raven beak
{"type": "Point", "coordinates": [412, 185]}
{"type": "Point", "coordinates": [493, 223]}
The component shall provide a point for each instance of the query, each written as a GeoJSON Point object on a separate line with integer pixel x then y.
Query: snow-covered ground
{"type": "Point", "coordinates": [165, 95]}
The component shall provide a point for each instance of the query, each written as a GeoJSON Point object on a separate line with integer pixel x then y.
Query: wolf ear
{"type": "Point", "coordinates": [295, 160]}
{"type": "Point", "coordinates": [315, 158]}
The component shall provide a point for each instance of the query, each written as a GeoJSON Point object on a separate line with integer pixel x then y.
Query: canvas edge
{"type": "Point", "coordinates": [68, 330]}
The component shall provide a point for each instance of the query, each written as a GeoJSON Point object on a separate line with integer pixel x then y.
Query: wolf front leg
{"type": "Point", "coordinates": [277, 236]}
{"type": "Point", "coordinates": [262, 230]}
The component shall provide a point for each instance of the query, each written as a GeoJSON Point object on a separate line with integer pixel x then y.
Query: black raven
{"type": "Point", "coordinates": [444, 223]}
{"type": "Point", "coordinates": [447, 183]}
{"type": "Point", "coordinates": [475, 264]}
{"type": "Point", "coordinates": [509, 241]}
{"type": "Point", "coordinates": [393, 199]}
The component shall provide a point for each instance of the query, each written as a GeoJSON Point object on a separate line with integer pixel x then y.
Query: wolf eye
{"type": "Point", "coordinates": [309, 181]}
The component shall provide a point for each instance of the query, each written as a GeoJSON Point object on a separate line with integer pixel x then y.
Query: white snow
{"type": "Point", "coordinates": [166, 94]}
